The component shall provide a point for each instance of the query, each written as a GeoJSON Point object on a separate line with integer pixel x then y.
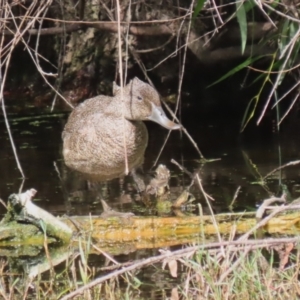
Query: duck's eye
{"type": "Point", "coordinates": [140, 98]}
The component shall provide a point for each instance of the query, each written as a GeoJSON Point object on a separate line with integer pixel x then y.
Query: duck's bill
{"type": "Point", "coordinates": [159, 116]}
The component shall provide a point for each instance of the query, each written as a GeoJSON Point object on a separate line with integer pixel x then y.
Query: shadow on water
{"type": "Point", "coordinates": [243, 161]}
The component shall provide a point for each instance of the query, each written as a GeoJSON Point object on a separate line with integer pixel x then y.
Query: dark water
{"type": "Point", "coordinates": [243, 160]}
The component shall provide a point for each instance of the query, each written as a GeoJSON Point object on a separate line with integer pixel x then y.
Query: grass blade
{"type": "Point", "coordinates": [239, 67]}
{"type": "Point", "coordinates": [242, 20]}
{"type": "Point", "coordinates": [198, 8]}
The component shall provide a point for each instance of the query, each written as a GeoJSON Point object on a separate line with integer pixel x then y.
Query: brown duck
{"type": "Point", "coordinates": [93, 138]}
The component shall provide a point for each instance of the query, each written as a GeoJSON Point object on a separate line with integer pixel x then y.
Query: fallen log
{"type": "Point", "coordinates": [28, 225]}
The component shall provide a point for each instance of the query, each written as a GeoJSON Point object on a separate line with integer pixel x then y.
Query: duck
{"type": "Point", "coordinates": [103, 132]}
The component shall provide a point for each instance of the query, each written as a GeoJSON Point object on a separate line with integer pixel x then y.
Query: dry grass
{"type": "Point", "coordinates": [270, 272]}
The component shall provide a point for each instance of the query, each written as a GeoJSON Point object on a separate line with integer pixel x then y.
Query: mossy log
{"type": "Point", "coordinates": [125, 235]}
{"type": "Point", "coordinates": [150, 232]}
{"type": "Point", "coordinates": [128, 233]}
{"type": "Point", "coordinates": [139, 228]}
{"type": "Point", "coordinates": [25, 221]}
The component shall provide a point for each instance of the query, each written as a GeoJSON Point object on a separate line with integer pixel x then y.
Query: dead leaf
{"type": "Point", "coordinates": [172, 264]}
{"type": "Point", "coordinates": [284, 258]}
{"type": "Point", "coordinates": [174, 294]}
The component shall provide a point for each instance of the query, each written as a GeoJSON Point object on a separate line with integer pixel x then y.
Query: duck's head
{"type": "Point", "coordinates": [141, 103]}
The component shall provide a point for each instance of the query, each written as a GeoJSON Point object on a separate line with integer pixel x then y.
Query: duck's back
{"type": "Point", "coordinates": [93, 139]}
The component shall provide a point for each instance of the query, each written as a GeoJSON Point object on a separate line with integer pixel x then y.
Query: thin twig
{"type": "Point", "coordinates": [234, 265]}
{"type": "Point", "coordinates": [286, 93]}
{"type": "Point", "coordinates": [179, 96]}
{"type": "Point", "coordinates": [234, 197]}
{"type": "Point", "coordinates": [211, 212]}
{"type": "Point", "coordinates": [261, 223]}
{"type": "Point", "coordinates": [156, 48]}
{"type": "Point", "coordinates": [291, 163]}
{"type": "Point", "coordinates": [276, 83]}
{"type": "Point", "coordinates": [122, 84]}
{"type": "Point", "coordinates": [3, 203]}
{"type": "Point", "coordinates": [289, 109]}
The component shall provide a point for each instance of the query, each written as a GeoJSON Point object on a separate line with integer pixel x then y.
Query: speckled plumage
{"type": "Point", "coordinates": [93, 138]}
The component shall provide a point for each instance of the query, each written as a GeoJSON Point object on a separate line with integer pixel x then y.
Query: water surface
{"type": "Point", "coordinates": [243, 159]}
